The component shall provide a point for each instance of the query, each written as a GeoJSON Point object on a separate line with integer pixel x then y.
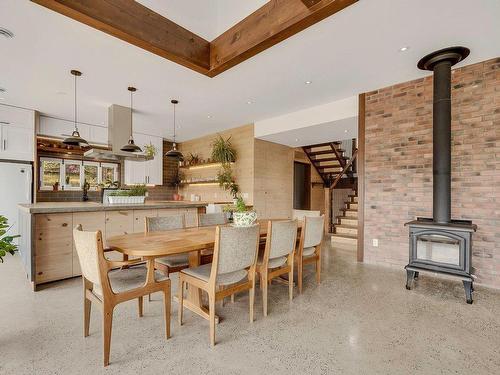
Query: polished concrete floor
{"type": "Point", "coordinates": [360, 320]}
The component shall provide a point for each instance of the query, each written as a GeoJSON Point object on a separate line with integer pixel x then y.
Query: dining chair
{"type": "Point", "coordinates": [233, 268]}
{"type": "Point", "coordinates": [206, 220]}
{"type": "Point", "coordinates": [309, 251]}
{"type": "Point", "coordinates": [278, 256]}
{"type": "Point", "coordinates": [217, 218]}
{"type": "Point", "coordinates": [107, 286]}
{"type": "Point", "coordinates": [171, 263]}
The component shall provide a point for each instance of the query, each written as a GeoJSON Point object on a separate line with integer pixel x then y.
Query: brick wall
{"type": "Point", "coordinates": [399, 164]}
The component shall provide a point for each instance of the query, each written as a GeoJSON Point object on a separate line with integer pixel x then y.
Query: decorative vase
{"type": "Point", "coordinates": [244, 219]}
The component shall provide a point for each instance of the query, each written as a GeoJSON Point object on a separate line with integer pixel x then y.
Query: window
{"type": "Point", "coordinates": [91, 174]}
{"type": "Point", "coordinates": [50, 173]}
{"type": "Point", "coordinates": [72, 174]}
{"type": "Point", "coordinates": [109, 173]}
{"type": "Point", "coordinates": [72, 178]}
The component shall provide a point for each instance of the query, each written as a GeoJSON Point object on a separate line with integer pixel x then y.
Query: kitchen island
{"type": "Point", "coordinates": [46, 243]}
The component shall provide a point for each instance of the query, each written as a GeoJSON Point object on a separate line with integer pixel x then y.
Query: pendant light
{"type": "Point", "coordinates": [174, 153]}
{"type": "Point", "coordinates": [131, 146]}
{"type": "Point", "coordinates": [75, 139]}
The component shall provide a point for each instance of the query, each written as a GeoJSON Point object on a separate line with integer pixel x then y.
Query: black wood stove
{"type": "Point", "coordinates": [441, 244]}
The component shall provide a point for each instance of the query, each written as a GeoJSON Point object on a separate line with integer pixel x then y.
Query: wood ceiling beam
{"type": "Point", "coordinates": [272, 23]}
{"type": "Point", "coordinates": [132, 22]}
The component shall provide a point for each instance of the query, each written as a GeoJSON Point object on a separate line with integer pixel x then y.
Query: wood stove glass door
{"type": "Point", "coordinates": [440, 249]}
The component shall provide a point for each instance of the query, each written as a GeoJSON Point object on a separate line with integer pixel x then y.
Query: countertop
{"type": "Point", "coordinates": [55, 207]}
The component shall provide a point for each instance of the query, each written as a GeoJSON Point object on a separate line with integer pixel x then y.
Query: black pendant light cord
{"type": "Point", "coordinates": [76, 123]}
{"type": "Point", "coordinates": [131, 109]}
{"type": "Point", "coordinates": [174, 122]}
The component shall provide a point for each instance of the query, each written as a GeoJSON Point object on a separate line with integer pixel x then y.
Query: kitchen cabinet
{"type": "Point", "coordinates": [58, 128]}
{"type": "Point", "coordinates": [53, 247]}
{"type": "Point", "coordinates": [17, 133]}
{"type": "Point", "coordinates": [118, 223]}
{"type": "Point", "coordinates": [140, 219]}
{"type": "Point", "coordinates": [17, 143]}
{"type": "Point", "coordinates": [146, 172]}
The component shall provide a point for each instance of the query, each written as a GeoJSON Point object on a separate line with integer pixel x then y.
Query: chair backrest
{"type": "Point", "coordinates": [155, 224]}
{"type": "Point", "coordinates": [236, 248]}
{"type": "Point", "coordinates": [283, 236]}
{"type": "Point", "coordinates": [89, 248]}
{"type": "Point", "coordinates": [313, 230]}
{"type": "Point", "coordinates": [301, 214]}
{"type": "Point", "coordinates": [218, 218]}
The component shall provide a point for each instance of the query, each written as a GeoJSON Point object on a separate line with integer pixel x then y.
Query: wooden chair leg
{"type": "Point", "coordinates": [299, 275]}
{"type": "Point", "coordinates": [167, 309]}
{"type": "Point", "coordinates": [290, 283]}
{"type": "Point", "coordinates": [211, 308]}
{"type": "Point", "coordinates": [252, 298]}
{"type": "Point", "coordinates": [181, 300]}
{"type": "Point", "coordinates": [263, 287]}
{"type": "Point", "coordinates": [107, 323]}
{"type": "Point", "coordinates": [140, 301]}
{"type": "Point", "coordinates": [232, 298]}
{"type": "Point", "coordinates": [87, 305]}
{"type": "Point", "coordinates": [149, 297]}
{"type": "Point", "coordinates": [318, 269]}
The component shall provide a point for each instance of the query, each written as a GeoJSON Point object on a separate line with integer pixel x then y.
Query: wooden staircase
{"type": "Point", "coordinates": [328, 159]}
{"type": "Point", "coordinates": [345, 228]}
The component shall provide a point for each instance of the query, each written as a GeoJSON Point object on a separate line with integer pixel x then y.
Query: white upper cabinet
{"type": "Point", "coordinates": [61, 128]}
{"type": "Point", "coordinates": [17, 133]}
{"type": "Point", "coordinates": [146, 172]}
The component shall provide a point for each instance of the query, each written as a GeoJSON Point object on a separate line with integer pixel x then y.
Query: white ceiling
{"type": "Point", "coordinates": [332, 131]}
{"type": "Point", "coordinates": [354, 51]}
{"type": "Point", "coordinates": [207, 18]}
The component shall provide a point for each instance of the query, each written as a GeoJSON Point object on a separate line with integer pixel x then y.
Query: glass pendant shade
{"type": "Point", "coordinates": [75, 139]}
{"type": "Point", "coordinates": [131, 146]}
{"type": "Point", "coordinates": [174, 153]}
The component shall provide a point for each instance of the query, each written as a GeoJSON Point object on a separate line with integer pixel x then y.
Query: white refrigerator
{"type": "Point", "coordinates": [16, 186]}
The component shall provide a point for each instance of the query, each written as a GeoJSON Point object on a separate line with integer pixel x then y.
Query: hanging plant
{"type": "Point", "coordinates": [150, 150]}
{"type": "Point", "coordinates": [223, 151]}
{"type": "Point", "coordinates": [6, 241]}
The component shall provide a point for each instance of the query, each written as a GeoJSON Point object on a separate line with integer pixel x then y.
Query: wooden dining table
{"type": "Point", "coordinates": [152, 245]}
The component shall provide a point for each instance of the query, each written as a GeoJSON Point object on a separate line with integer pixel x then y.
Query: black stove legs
{"type": "Point", "coordinates": [410, 276]}
{"type": "Point", "coordinates": [469, 289]}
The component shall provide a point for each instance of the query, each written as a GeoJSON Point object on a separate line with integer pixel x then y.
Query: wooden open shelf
{"type": "Point", "coordinates": [202, 166]}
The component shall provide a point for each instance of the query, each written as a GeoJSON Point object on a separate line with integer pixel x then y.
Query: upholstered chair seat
{"type": "Point", "coordinates": [125, 279]}
{"type": "Point", "coordinates": [308, 251]}
{"type": "Point", "coordinates": [174, 261]}
{"type": "Point", "coordinates": [273, 263]}
{"type": "Point", "coordinates": [203, 273]}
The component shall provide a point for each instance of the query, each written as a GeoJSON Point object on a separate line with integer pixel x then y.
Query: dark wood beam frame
{"type": "Point", "coordinates": [361, 177]}
{"type": "Point", "coordinates": [132, 22]}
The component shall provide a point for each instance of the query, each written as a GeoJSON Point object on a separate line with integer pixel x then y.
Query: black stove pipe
{"type": "Point", "coordinates": [440, 62]}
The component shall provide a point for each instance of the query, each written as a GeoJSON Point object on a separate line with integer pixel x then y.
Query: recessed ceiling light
{"type": "Point", "coordinates": [6, 33]}
{"type": "Point", "coordinates": [345, 131]}
{"type": "Point", "coordinates": [249, 102]}
{"type": "Point", "coordinates": [308, 82]}
{"type": "Point", "coordinates": [208, 116]}
{"type": "Point", "coordinates": [403, 49]}
{"type": "Point", "coordinates": [296, 139]}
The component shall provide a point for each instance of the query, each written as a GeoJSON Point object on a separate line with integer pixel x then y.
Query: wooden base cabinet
{"type": "Point", "coordinates": [55, 254]}
{"type": "Point", "coordinates": [53, 247]}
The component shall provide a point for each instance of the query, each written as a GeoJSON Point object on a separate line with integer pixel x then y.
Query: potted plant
{"type": "Point", "coordinates": [177, 180]}
{"type": "Point", "coordinates": [150, 151]}
{"type": "Point", "coordinates": [135, 195]}
{"type": "Point", "coordinates": [6, 245]}
{"type": "Point", "coordinates": [223, 151]}
{"type": "Point", "coordinates": [242, 217]}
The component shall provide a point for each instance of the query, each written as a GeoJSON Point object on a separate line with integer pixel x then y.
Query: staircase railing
{"type": "Point", "coordinates": [344, 170]}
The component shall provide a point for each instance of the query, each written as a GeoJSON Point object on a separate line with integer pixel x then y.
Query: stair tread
{"type": "Point", "coordinates": [347, 226]}
{"type": "Point", "coordinates": [349, 209]}
{"type": "Point", "coordinates": [345, 235]}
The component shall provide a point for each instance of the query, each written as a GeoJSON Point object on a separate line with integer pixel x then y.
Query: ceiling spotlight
{"type": "Point", "coordinates": [403, 49]}
{"type": "Point", "coordinates": [6, 33]}
{"type": "Point", "coordinates": [345, 131]}
{"type": "Point", "coordinates": [308, 82]}
{"type": "Point", "coordinates": [208, 116]}
{"type": "Point", "coordinates": [296, 139]}
{"type": "Point", "coordinates": [249, 102]}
